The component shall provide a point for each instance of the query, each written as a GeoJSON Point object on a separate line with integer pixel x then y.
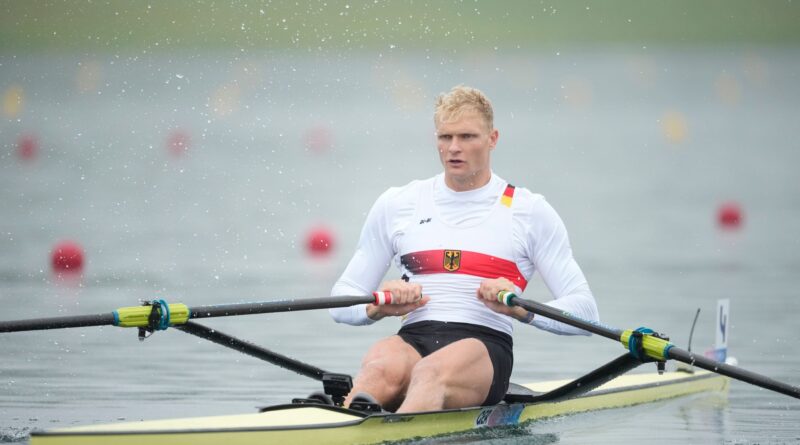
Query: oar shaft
{"type": "Point", "coordinates": [735, 372]}
{"type": "Point", "coordinates": [38, 324]}
{"type": "Point", "coordinates": [567, 318]}
{"type": "Point", "coordinates": [138, 316]}
{"type": "Point", "coordinates": [672, 352]}
{"type": "Point", "coordinates": [220, 338]}
{"type": "Point", "coordinates": [265, 307]}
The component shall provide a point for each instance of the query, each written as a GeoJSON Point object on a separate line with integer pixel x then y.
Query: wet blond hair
{"type": "Point", "coordinates": [461, 99]}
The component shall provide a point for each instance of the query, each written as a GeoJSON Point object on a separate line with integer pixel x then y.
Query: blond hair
{"type": "Point", "coordinates": [461, 99]}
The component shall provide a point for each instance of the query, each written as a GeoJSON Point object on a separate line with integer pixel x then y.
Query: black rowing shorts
{"type": "Point", "coordinates": [428, 337]}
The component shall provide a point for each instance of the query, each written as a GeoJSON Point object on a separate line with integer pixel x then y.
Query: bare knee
{"type": "Point", "coordinates": [379, 371]}
{"type": "Point", "coordinates": [386, 369]}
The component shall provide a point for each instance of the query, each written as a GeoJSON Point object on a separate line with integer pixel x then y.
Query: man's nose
{"type": "Point", "coordinates": [454, 145]}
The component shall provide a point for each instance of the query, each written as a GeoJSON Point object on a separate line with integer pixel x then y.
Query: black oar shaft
{"type": "Point", "coordinates": [592, 380]}
{"type": "Point", "coordinates": [567, 318]}
{"type": "Point", "coordinates": [38, 324]}
{"type": "Point", "coordinates": [674, 352]}
{"type": "Point", "coordinates": [265, 307]}
{"type": "Point", "coordinates": [220, 310]}
{"type": "Point", "coordinates": [735, 372]}
{"type": "Point", "coordinates": [248, 348]}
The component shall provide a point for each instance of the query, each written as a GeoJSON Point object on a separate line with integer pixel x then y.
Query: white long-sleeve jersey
{"type": "Point", "coordinates": [450, 241]}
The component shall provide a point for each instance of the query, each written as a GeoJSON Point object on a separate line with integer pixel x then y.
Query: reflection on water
{"type": "Point", "coordinates": [197, 179]}
{"type": "Point", "coordinates": [505, 435]}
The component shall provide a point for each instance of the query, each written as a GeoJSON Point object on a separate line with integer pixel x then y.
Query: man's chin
{"type": "Point", "coordinates": [459, 177]}
{"type": "Point", "coordinates": [460, 169]}
{"type": "Point", "coordinates": [455, 174]}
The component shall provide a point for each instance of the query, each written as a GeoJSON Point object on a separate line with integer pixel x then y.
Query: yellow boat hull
{"type": "Point", "coordinates": [305, 424]}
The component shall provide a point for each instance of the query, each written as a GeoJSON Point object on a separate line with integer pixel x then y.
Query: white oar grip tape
{"type": "Point", "coordinates": [505, 296]}
{"type": "Point", "coordinates": [383, 297]}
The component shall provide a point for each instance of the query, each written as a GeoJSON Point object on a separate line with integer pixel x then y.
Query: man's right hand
{"type": "Point", "coordinates": [406, 297]}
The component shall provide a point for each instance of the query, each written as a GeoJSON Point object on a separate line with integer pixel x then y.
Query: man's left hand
{"type": "Point", "coordinates": [487, 293]}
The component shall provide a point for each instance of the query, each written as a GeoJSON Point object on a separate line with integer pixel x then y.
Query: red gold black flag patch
{"type": "Point", "coordinates": [462, 262]}
{"type": "Point", "coordinates": [452, 260]}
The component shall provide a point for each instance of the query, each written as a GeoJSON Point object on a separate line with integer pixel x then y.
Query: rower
{"type": "Point", "coordinates": [458, 239]}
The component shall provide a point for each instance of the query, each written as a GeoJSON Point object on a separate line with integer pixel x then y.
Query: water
{"type": "Point", "coordinates": [636, 148]}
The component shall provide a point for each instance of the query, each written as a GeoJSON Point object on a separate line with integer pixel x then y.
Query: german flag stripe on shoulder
{"type": "Point", "coordinates": [508, 196]}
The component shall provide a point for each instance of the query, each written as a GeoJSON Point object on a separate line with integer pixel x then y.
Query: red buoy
{"type": "Point", "coordinates": [729, 216]}
{"type": "Point", "coordinates": [67, 256]}
{"type": "Point", "coordinates": [178, 142]}
{"type": "Point", "coordinates": [319, 139]}
{"type": "Point", "coordinates": [319, 240]}
{"type": "Point", "coordinates": [27, 147]}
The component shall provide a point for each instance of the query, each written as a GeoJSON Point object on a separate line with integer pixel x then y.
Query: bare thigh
{"type": "Point", "coordinates": [458, 375]}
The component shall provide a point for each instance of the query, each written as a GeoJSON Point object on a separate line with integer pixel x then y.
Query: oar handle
{"type": "Point", "coordinates": [382, 297]}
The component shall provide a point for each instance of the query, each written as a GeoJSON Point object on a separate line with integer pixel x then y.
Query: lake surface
{"type": "Point", "coordinates": [636, 148]}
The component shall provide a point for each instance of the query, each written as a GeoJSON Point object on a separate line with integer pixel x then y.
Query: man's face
{"type": "Point", "coordinates": [464, 148]}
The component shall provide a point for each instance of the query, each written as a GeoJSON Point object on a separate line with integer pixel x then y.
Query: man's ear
{"type": "Point", "coordinates": [493, 137]}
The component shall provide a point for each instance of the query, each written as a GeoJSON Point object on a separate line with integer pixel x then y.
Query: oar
{"type": "Point", "coordinates": [179, 313]}
{"type": "Point", "coordinates": [650, 345]}
{"type": "Point", "coordinates": [223, 339]}
{"type": "Point", "coordinates": [336, 385]}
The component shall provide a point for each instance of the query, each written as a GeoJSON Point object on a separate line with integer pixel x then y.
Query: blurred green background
{"type": "Point", "coordinates": [392, 25]}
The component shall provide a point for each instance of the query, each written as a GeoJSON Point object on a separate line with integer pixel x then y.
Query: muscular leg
{"type": "Point", "coordinates": [385, 372]}
{"type": "Point", "coordinates": [458, 375]}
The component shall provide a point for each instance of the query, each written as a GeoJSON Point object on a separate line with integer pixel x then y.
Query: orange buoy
{"type": "Point", "coordinates": [13, 101]}
{"type": "Point", "coordinates": [675, 127]}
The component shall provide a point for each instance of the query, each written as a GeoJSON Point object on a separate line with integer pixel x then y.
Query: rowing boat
{"type": "Point", "coordinates": [301, 423]}
{"type": "Point", "coordinates": [322, 418]}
